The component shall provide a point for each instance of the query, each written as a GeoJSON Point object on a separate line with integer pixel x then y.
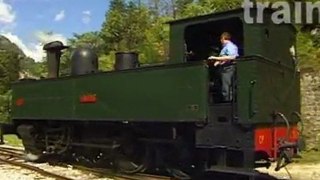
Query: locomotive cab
{"type": "Point", "coordinates": [203, 40]}
{"type": "Point", "coordinates": [195, 39]}
{"type": "Point", "coordinates": [265, 78]}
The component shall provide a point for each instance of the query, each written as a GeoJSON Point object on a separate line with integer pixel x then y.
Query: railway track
{"type": "Point", "coordinates": [117, 176]}
{"type": "Point", "coordinates": [11, 151]}
{"type": "Point", "coordinates": [15, 157]}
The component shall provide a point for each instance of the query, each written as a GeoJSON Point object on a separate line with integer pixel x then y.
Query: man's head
{"type": "Point", "coordinates": [225, 37]}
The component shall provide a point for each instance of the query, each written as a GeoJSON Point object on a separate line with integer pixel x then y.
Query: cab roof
{"type": "Point", "coordinates": [239, 12]}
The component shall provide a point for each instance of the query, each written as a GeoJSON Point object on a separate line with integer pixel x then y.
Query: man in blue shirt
{"type": "Point", "coordinates": [226, 59]}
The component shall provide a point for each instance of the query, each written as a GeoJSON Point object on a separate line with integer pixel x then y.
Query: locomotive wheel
{"type": "Point", "coordinates": [30, 139]}
{"type": "Point", "coordinates": [132, 158]}
{"type": "Point", "coordinates": [32, 157]}
{"type": "Point", "coordinates": [57, 140]}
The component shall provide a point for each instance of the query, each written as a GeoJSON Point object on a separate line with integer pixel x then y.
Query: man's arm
{"type": "Point", "coordinates": [232, 53]}
{"type": "Point", "coordinates": [222, 58]}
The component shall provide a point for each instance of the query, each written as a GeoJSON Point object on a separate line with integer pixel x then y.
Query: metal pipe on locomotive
{"type": "Point", "coordinates": [169, 117]}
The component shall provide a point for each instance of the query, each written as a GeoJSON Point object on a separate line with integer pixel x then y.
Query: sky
{"type": "Point", "coordinates": [27, 22]}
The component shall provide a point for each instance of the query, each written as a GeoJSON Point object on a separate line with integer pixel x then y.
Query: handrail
{"type": "Point", "coordinates": [287, 124]}
{"type": "Point", "coordinates": [258, 57]}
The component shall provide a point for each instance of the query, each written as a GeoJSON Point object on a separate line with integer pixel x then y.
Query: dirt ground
{"type": "Point", "coordinates": [296, 171]}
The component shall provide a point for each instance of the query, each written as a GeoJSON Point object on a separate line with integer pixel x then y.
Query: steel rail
{"type": "Point", "coordinates": [117, 176]}
{"type": "Point", "coordinates": [12, 152]}
{"type": "Point", "coordinates": [12, 148]}
{"type": "Point", "coordinates": [29, 167]}
{"type": "Point", "coordinates": [15, 153]}
{"type": "Point", "coordinates": [35, 169]}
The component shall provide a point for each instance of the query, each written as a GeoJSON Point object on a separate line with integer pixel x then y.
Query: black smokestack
{"type": "Point", "coordinates": [126, 60]}
{"type": "Point", "coordinates": [53, 50]}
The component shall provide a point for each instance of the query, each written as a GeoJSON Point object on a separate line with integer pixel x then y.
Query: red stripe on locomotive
{"type": "Point", "coordinates": [90, 98]}
{"type": "Point", "coordinates": [267, 139]}
{"type": "Point", "coordinates": [20, 102]}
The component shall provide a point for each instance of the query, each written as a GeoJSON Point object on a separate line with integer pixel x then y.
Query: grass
{"type": "Point", "coordinates": [12, 140]}
{"type": "Point", "coordinates": [310, 157]}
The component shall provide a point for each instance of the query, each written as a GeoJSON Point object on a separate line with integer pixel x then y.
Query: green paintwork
{"type": "Point", "coordinates": [275, 46]}
{"type": "Point", "coordinates": [276, 89]}
{"type": "Point", "coordinates": [163, 93]}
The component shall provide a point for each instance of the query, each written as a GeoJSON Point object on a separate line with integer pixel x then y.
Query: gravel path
{"type": "Point", "coordinates": [9, 172]}
{"type": "Point", "coordinates": [297, 172]}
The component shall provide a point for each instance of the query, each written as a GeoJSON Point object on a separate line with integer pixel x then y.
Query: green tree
{"type": "Point", "coordinates": [131, 26]}
{"type": "Point", "coordinates": [125, 25]}
{"type": "Point", "coordinates": [137, 22]}
{"type": "Point", "coordinates": [9, 69]}
{"type": "Point", "coordinates": [30, 68]}
{"type": "Point", "coordinates": [5, 103]}
{"type": "Point", "coordinates": [9, 72]}
{"type": "Point", "coordinates": [308, 50]}
{"type": "Point", "coordinates": [92, 40]}
{"type": "Point", "coordinates": [180, 5]}
{"type": "Point", "coordinates": [202, 7]}
{"type": "Point", "coordinates": [156, 46]}
{"type": "Point", "coordinates": [113, 28]}
{"type": "Point", "coordinates": [161, 8]}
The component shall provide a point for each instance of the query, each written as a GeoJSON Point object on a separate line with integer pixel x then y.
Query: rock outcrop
{"type": "Point", "coordinates": [310, 107]}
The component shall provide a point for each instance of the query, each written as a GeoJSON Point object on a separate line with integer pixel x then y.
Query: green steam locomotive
{"type": "Point", "coordinates": [169, 117]}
